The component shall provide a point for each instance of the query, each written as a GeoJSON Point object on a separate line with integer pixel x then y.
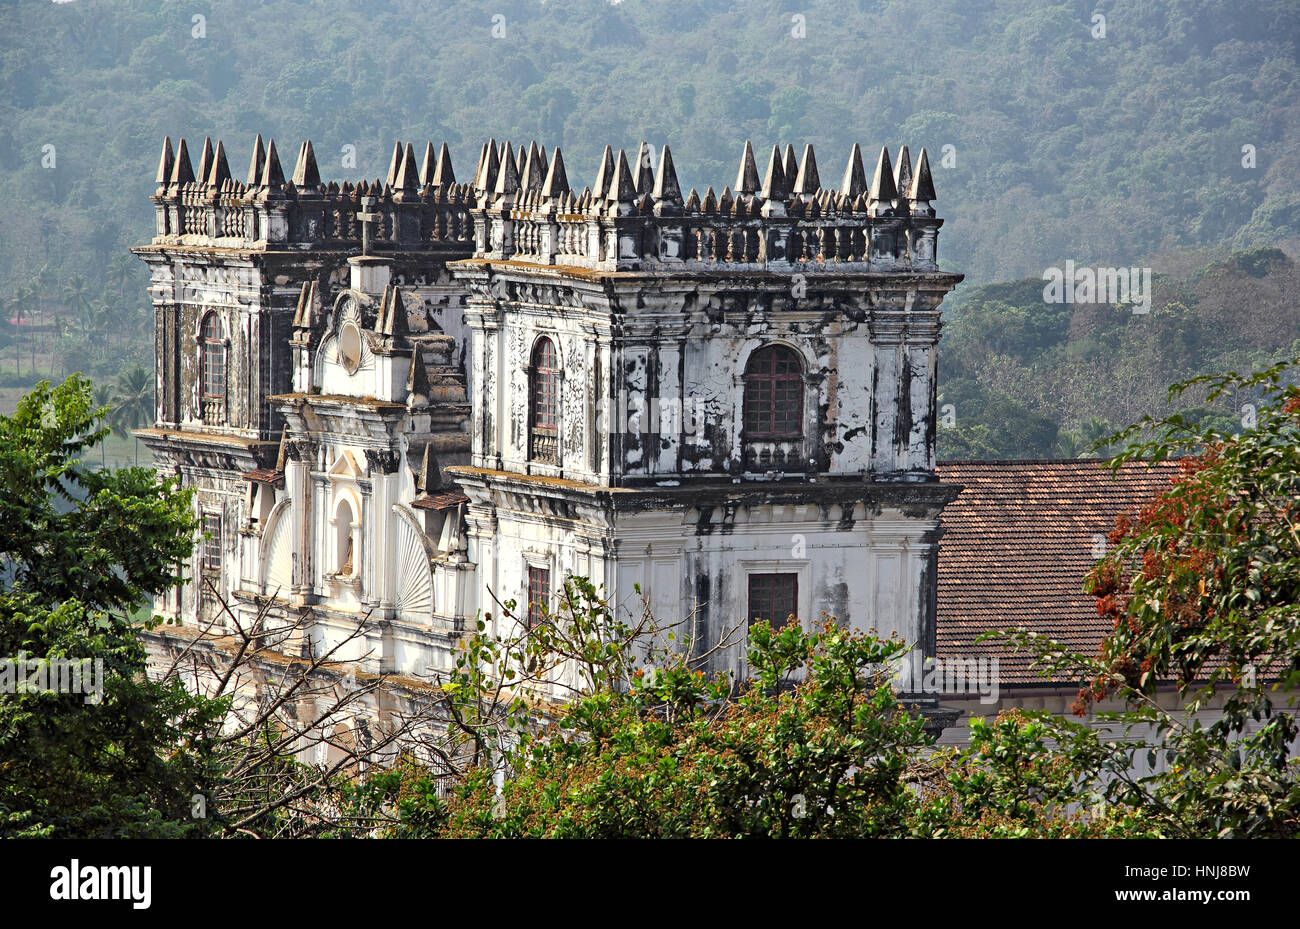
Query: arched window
{"type": "Point", "coordinates": [773, 395]}
{"type": "Point", "coordinates": [544, 403]}
{"type": "Point", "coordinates": [343, 538]}
{"type": "Point", "coordinates": [212, 365]}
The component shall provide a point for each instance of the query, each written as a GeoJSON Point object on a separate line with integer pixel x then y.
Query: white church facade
{"type": "Point", "coordinates": [403, 402]}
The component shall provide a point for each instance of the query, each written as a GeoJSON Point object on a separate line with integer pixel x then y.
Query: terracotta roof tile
{"type": "Point", "coordinates": [440, 502]}
{"type": "Point", "coordinates": [1017, 543]}
{"type": "Point", "coordinates": [264, 475]}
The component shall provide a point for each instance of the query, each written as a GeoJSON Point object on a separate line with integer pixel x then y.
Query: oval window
{"type": "Point", "coordinates": [350, 347]}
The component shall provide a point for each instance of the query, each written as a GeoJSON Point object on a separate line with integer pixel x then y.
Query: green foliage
{"type": "Point", "coordinates": [81, 549]}
{"type": "Point", "coordinates": [1025, 776]}
{"type": "Point", "coordinates": [646, 743]}
{"type": "Point", "coordinates": [104, 538]}
{"type": "Point", "coordinates": [815, 745]}
{"type": "Point", "coordinates": [1047, 379]}
{"type": "Point", "coordinates": [1065, 145]}
{"type": "Point", "coordinates": [1203, 589]}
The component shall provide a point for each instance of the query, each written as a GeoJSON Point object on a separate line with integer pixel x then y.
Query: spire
{"type": "Point", "coordinates": [426, 164]}
{"type": "Point", "coordinates": [382, 316]}
{"type": "Point", "coordinates": [621, 188]}
{"type": "Point", "coordinates": [487, 173]}
{"type": "Point", "coordinates": [855, 178]}
{"type": "Point", "coordinates": [205, 160]}
{"type": "Point", "coordinates": [507, 179]}
{"type": "Point", "coordinates": [396, 324]}
{"type": "Point", "coordinates": [692, 201]}
{"type": "Point", "coordinates": [256, 162]}
{"type": "Point", "coordinates": [710, 204]}
{"type": "Point", "coordinates": [430, 476]}
{"type": "Point", "coordinates": [790, 165]}
{"type": "Point", "coordinates": [394, 162]}
{"type": "Point", "coordinates": [443, 176]}
{"type": "Point", "coordinates": [604, 174]}
{"type": "Point", "coordinates": [305, 174]}
{"type": "Point", "coordinates": [417, 378]}
{"type": "Point", "coordinates": [557, 182]}
{"type": "Point", "coordinates": [182, 170]}
{"type": "Point", "coordinates": [922, 190]}
{"type": "Point", "coordinates": [308, 320]}
{"type": "Point", "coordinates": [747, 176]}
{"type": "Point", "coordinates": [220, 172]}
{"type": "Point", "coordinates": [882, 183]}
{"type": "Point", "coordinates": [903, 172]}
{"type": "Point", "coordinates": [407, 178]}
{"type": "Point", "coordinates": [272, 173]}
{"type": "Point", "coordinates": [530, 174]}
{"type": "Point", "coordinates": [542, 163]}
{"type": "Point", "coordinates": [644, 174]}
{"type": "Point", "coordinates": [775, 186]}
{"type": "Point", "coordinates": [165, 163]}
{"type": "Point", "coordinates": [666, 189]}
{"type": "Point", "coordinates": [807, 182]}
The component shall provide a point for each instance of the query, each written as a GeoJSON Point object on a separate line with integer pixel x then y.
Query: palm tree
{"type": "Point", "coordinates": [133, 403]}
{"type": "Point", "coordinates": [1070, 445]}
{"type": "Point", "coordinates": [1095, 432]}
{"type": "Point", "coordinates": [14, 308]}
{"type": "Point", "coordinates": [25, 295]}
{"type": "Point", "coordinates": [104, 400]}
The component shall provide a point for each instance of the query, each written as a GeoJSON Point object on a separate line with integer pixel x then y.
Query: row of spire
{"type": "Point", "coordinates": [390, 321]}
{"type": "Point", "coordinates": [530, 175]}
{"type": "Point", "coordinates": [499, 173]}
{"type": "Point", "coordinates": [264, 170]}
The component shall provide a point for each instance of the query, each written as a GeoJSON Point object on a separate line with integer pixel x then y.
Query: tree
{"type": "Point", "coordinates": [209, 743]}
{"type": "Point", "coordinates": [133, 403]}
{"type": "Point", "coordinates": [647, 744]}
{"type": "Point", "coordinates": [82, 548]}
{"type": "Point", "coordinates": [1203, 590]}
{"type": "Point", "coordinates": [1096, 434]}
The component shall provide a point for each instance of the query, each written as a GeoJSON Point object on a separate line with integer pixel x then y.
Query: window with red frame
{"type": "Point", "coordinates": [773, 597]}
{"type": "Point", "coordinates": [773, 394]}
{"type": "Point", "coordinates": [539, 594]}
{"type": "Point", "coordinates": [544, 411]}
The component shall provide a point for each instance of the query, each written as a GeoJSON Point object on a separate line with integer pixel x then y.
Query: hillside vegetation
{"type": "Point", "coordinates": [1176, 130]}
{"type": "Point", "coordinates": [1023, 378]}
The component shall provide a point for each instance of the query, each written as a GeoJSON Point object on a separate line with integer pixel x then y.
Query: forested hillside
{"type": "Point", "coordinates": [1049, 140]}
{"type": "Point", "coordinates": [1021, 378]}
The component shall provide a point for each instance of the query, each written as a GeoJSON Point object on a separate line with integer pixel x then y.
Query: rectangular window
{"type": "Point", "coordinates": [539, 593]}
{"type": "Point", "coordinates": [210, 561]}
{"type": "Point", "coordinates": [773, 597]}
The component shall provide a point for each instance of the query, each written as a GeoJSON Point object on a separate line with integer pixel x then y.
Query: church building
{"type": "Point", "coordinates": [402, 403]}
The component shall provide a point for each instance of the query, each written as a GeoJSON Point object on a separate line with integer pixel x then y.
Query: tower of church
{"type": "Point", "coordinates": [723, 404]}
{"type": "Point", "coordinates": [402, 401]}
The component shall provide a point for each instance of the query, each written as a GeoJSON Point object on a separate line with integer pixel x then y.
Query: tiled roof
{"type": "Point", "coordinates": [439, 502]}
{"type": "Point", "coordinates": [264, 475]}
{"type": "Point", "coordinates": [1017, 543]}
